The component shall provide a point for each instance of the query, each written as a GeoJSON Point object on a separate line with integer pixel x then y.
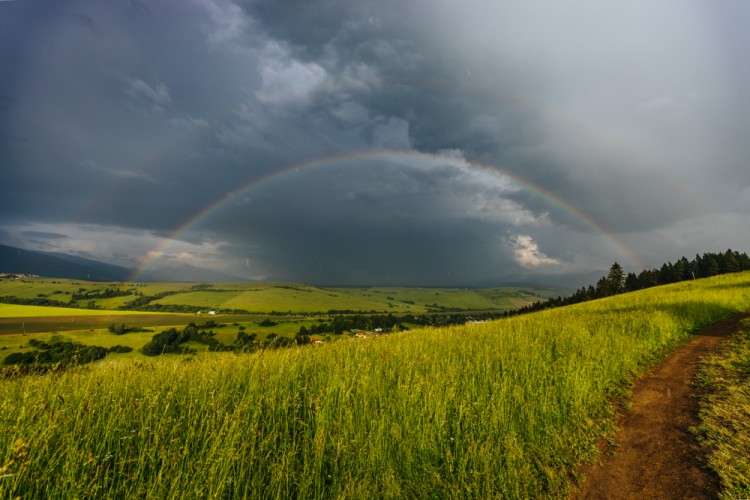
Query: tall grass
{"type": "Point", "coordinates": [725, 414]}
{"type": "Point", "coordinates": [503, 409]}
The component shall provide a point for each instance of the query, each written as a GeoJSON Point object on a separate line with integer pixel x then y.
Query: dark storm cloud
{"type": "Point", "coordinates": [113, 122]}
{"type": "Point", "coordinates": [5, 104]}
{"type": "Point", "coordinates": [127, 119]}
{"type": "Point", "coordinates": [492, 105]}
{"type": "Point", "coordinates": [374, 222]}
{"type": "Point", "coordinates": [394, 69]}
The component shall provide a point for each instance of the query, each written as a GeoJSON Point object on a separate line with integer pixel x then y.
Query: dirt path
{"type": "Point", "coordinates": [657, 455]}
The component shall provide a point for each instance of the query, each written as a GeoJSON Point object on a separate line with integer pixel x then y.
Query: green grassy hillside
{"type": "Point", "coordinates": [63, 289]}
{"type": "Point", "coordinates": [265, 298]}
{"type": "Point", "coordinates": [502, 409]}
{"type": "Point", "coordinates": [421, 299]}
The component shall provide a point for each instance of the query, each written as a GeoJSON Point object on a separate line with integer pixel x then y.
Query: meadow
{"type": "Point", "coordinates": [266, 298]}
{"type": "Point", "coordinates": [503, 409]}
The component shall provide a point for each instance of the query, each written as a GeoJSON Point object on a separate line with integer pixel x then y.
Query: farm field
{"type": "Point", "coordinates": [20, 311]}
{"type": "Point", "coordinates": [50, 319]}
{"type": "Point", "coordinates": [282, 298]}
{"type": "Point", "coordinates": [19, 319]}
{"type": "Point", "coordinates": [265, 298]}
{"type": "Point", "coordinates": [502, 409]}
{"type": "Point", "coordinates": [421, 299]}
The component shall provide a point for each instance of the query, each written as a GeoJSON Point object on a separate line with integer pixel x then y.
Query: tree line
{"type": "Point", "coordinates": [616, 281]}
{"type": "Point", "coordinates": [341, 324]}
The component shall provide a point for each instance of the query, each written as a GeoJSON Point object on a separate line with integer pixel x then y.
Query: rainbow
{"type": "Point", "coordinates": [549, 112]}
{"type": "Point", "coordinates": [393, 156]}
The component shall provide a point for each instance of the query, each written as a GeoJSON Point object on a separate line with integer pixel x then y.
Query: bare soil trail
{"type": "Point", "coordinates": [656, 455]}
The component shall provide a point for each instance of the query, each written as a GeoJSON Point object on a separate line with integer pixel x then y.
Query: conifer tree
{"type": "Point", "coordinates": [616, 278]}
{"type": "Point", "coordinates": [710, 266]}
{"type": "Point", "coordinates": [632, 283]}
{"type": "Point", "coordinates": [730, 263]}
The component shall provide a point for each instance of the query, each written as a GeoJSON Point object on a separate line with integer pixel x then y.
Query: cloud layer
{"type": "Point", "coordinates": [529, 138]}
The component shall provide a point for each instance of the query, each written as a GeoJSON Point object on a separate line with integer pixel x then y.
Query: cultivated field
{"type": "Point", "coordinates": [265, 298]}
{"type": "Point", "coordinates": [503, 409]}
{"type": "Point", "coordinates": [18, 311]}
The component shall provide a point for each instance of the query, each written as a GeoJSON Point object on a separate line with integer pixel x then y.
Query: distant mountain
{"type": "Point", "coordinates": [60, 265]}
{"type": "Point", "coordinates": [56, 265]}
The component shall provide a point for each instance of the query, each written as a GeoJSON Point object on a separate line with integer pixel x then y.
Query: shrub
{"type": "Point", "coordinates": [120, 349]}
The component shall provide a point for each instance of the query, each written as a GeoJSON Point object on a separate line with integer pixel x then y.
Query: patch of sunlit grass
{"type": "Point", "coordinates": [725, 415]}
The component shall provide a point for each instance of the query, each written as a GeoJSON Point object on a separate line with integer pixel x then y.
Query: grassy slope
{"type": "Point", "coordinates": [467, 299]}
{"type": "Point", "coordinates": [267, 299]}
{"type": "Point", "coordinates": [62, 289]}
{"type": "Point", "coordinates": [504, 409]}
{"type": "Point", "coordinates": [30, 290]}
{"type": "Point", "coordinates": [725, 414]}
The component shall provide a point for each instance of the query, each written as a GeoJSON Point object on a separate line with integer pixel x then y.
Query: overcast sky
{"type": "Point", "coordinates": [467, 142]}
